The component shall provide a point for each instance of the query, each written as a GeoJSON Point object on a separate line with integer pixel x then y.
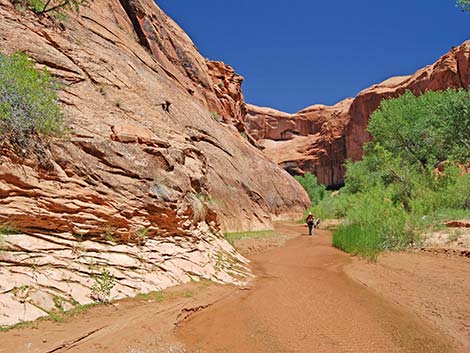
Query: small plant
{"type": "Point", "coordinates": [455, 235]}
{"type": "Point", "coordinates": [244, 135]}
{"type": "Point", "coordinates": [216, 117]}
{"type": "Point", "coordinates": [110, 234]}
{"type": "Point", "coordinates": [59, 303]}
{"type": "Point", "coordinates": [104, 283]}
{"type": "Point", "coordinates": [142, 235]}
{"type": "Point", "coordinates": [7, 229]}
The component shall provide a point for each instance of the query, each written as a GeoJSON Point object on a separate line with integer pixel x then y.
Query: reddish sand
{"type": "Point", "coordinates": [303, 300]}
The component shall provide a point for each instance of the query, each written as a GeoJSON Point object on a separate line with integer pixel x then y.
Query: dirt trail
{"type": "Point", "coordinates": [304, 302]}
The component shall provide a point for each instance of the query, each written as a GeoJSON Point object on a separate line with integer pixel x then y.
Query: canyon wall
{"type": "Point", "coordinates": [319, 139]}
{"type": "Point", "coordinates": [149, 173]}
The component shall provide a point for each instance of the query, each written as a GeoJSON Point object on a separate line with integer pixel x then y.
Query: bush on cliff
{"type": "Point", "coordinates": [28, 102]}
{"type": "Point", "coordinates": [45, 6]}
{"type": "Point", "coordinates": [396, 189]}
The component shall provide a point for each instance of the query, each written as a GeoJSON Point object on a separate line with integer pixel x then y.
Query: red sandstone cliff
{"type": "Point", "coordinates": [132, 187]}
{"type": "Point", "coordinates": [451, 71]}
{"type": "Point", "coordinates": [310, 140]}
{"type": "Point", "coordinates": [120, 60]}
{"type": "Point", "coordinates": [320, 139]}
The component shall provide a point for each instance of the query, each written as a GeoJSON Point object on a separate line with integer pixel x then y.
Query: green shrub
{"type": "Point", "coordinates": [101, 288]}
{"type": "Point", "coordinates": [6, 229]}
{"type": "Point", "coordinates": [332, 206]}
{"type": "Point", "coordinates": [395, 193]}
{"type": "Point", "coordinates": [315, 191]}
{"type": "Point", "coordinates": [28, 100]}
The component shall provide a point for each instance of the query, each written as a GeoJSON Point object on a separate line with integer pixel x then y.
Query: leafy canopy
{"type": "Point", "coordinates": [424, 130]}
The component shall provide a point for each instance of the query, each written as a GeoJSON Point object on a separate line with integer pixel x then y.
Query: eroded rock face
{"type": "Point", "coordinates": [144, 153]}
{"type": "Point", "coordinates": [311, 140]}
{"type": "Point", "coordinates": [120, 61]}
{"type": "Point", "coordinates": [41, 273]}
{"type": "Point", "coordinates": [320, 139]}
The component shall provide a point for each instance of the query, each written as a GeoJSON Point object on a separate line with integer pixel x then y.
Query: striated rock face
{"type": "Point", "coordinates": [42, 272]}
{"type": "Point", "coordinates": [213, 83]}
{"type": "Point", "coordinates": [144, 155]}
{"type": "Point", "coordinates": [320, 139]}
{"type": "Point", "coordinates": [120, 61]}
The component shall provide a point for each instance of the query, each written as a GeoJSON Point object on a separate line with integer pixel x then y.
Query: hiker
{"type": "Point", "coordinates": [311, 223]}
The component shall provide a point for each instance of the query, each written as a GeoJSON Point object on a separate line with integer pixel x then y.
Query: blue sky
{"type": "Point", "coordinates": [300, 52]}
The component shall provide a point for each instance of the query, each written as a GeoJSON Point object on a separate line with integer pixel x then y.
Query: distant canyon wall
{"type": "Point", "coordinates": [321, 138]}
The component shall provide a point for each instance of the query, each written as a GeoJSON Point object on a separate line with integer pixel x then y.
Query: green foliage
{"type": "Point", "coordinates": [424, 130]}
{"type": "Point", "coordinates": [332, 206]}
{"type": "Point", "coordinates": [6, 229]}
{"type": "Point", "coordinates": [395, 193]}
{"type": "Point", "coordinates": [353, 239]}
{"type": "Point", "coordinates": [36, 5]}
{"type": "Point", "coordinates": [45, 6]}
{"type": "Point", "coordinates": [28, 99]}
{"type": "Point", "coordinates": [315, 191]}
{"type": "Point", "coordinates": [464, 4]}
{"type": "Point", "coordinates": [142, 236]}
{"type": "Point", "coordinates": [101, 289]}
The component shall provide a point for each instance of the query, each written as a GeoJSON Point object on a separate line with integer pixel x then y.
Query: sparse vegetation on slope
{"type": "Point", "coordinates": [233, 236]}
{"type": "Point", "coordinates": [411, 173]}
